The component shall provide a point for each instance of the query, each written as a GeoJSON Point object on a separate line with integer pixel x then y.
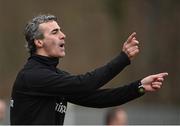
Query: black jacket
{"type": "Point", "coordinates": [41, 91]}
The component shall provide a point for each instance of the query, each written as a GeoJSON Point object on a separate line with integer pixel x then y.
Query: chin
{"type": "Point", "coordinates": [62, 55]}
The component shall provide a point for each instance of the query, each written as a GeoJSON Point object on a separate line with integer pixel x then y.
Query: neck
{"type": "Point", "coordinates": [42, 53]}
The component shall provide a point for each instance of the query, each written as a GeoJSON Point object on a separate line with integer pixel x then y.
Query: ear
{"type": "Point", "coordinates": [38, 43]}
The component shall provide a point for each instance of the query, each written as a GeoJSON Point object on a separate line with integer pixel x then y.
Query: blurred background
{"type": "Point", "coordinates": [95, 32]}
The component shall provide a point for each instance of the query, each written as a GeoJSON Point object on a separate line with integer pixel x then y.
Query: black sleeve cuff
{"type": "Point", "coordinates": [138, 87]}
{"type": "Point", "coordinates": [125, 56]}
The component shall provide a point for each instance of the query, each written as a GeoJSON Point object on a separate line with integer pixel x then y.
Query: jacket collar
{"type": "Point", "coordinates": [50, 61]}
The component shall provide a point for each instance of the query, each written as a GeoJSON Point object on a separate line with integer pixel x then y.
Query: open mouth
{"type": "Point", "coordinates": [61, 45]}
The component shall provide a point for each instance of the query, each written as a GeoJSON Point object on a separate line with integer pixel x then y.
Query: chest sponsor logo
{"type": "Point", "coordinates": [60, 108]}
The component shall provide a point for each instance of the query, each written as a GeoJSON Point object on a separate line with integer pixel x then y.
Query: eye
{"type": "Point", "coordinates": [54, 32]}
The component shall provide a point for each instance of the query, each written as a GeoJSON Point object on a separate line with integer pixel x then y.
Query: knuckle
{"type": "Point", "coordinates": [129, 51]}
{"type": "Point", "coordinates": [137, 42]}
{"type": "Point", "coordinates": [137, 50]}
{"type": "Point", "coordinates": [126, 47]}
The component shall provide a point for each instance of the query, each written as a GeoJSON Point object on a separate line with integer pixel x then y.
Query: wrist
{"type": "Point", "coordinates": [141, 88]}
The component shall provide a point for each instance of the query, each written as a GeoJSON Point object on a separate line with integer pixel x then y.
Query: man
{"type": "Point", "coordinates": [116, 116]}
{"type": "Point", "coordinates": [41, 91]}
{"type": "Point", "coordinates": [2, 110]}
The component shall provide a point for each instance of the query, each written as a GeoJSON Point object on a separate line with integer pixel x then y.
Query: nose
{"type": "Point", "coordinates": [62, 35]}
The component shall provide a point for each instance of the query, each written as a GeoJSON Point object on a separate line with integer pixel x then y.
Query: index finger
{"type": "Point", "coordinates": [161, 75]}
{"type": "Point", "coordinates": [131, 37]}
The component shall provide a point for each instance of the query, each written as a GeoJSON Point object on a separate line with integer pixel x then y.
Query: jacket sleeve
{"type": "Point", "coordinates": [107, 97]}
{"type": "Point", "coordinates": [47, 81]}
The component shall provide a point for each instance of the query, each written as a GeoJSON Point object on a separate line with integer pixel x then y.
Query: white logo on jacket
{"type": "Point", "coordinates": [60, 108]}
{"type": "Point", "coordinates": [11, 103]}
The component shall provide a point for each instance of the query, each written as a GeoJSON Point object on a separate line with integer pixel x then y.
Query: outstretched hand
{"type": "Point", "coordinates": [153, 82]}
{"type": "Point", "coordinates": [130, 47]}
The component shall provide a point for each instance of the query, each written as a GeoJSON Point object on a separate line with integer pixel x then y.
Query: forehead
{"type": "Point", "coordinates": [49, 26]}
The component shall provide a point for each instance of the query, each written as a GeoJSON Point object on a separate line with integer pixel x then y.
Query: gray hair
{"type": "Point", "coordinates": [32, 31]}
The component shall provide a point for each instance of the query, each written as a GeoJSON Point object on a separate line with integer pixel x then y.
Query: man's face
{"type": "Point", "coordinates": [121, 118]}
{"type": "Point", "coordinates": [53, 41]}
{"type": "Point", "coordinates": [2, 110]}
